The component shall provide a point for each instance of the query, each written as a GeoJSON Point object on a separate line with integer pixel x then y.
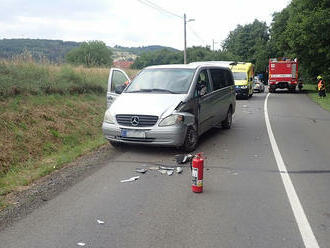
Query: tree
{"type": "Point", "coordinates": [302, 30]}
{"type": "Point", "coordinates": [249, 43]}
{"type": "Point", "coordinates": [176, 57]}
{"type": "Point", "coordinates": [91, 53]}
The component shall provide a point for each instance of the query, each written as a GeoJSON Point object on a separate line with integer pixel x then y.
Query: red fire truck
{"type": "Point", "coordinates": [283, 74]}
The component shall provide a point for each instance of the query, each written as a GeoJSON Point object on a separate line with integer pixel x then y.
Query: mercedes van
{"type": "Point", "coordinates": [168, 105]}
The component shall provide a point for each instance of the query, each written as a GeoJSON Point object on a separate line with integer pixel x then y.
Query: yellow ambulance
{"type": "Point", "coordinates": [243, 75]}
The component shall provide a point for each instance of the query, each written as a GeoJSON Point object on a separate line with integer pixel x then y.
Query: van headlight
{"type": "Point", "coordinates": [243, 86]}
{"type": "Point", "coordinates": [171, 120]}
{"type": "Point", "coordinates": [108, 118]}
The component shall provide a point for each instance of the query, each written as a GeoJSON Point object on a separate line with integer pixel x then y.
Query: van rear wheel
{"type": "Point", "coordinates": [226, 123]}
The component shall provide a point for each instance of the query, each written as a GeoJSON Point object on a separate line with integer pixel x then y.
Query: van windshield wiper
{"type": "Point", "coordinates": [151, 90]}
{"type": "Point", "coordinates": [165, 90]}
{"type": "Point", "coordinates": [140, 90]}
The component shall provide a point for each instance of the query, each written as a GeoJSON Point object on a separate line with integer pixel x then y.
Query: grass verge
{"type": "Point", "coordinates": [41, 133]}
{"type": "Point", "coordinates": [313, 94]}
{"type": "Point", "coordinates": [49, 116]}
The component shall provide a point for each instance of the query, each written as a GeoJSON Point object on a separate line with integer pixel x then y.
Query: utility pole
{"type": "Point", "coordinates": [185, 40]}
{"type": "Point", "coordinates": [185, 37]}
{"type": "Point", "coordinates": [213, 42]}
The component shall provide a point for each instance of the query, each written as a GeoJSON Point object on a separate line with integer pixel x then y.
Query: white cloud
{"type": "Point", "coordinates": [131, 23]}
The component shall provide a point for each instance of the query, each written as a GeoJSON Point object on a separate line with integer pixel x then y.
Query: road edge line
{"type": "Point", "coordinates": [298, 211]}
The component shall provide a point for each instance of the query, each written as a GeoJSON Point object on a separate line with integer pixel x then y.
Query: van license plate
{"type": "Point", "coordinates": [133, 133]}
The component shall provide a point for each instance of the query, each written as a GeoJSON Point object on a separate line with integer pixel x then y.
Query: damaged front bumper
{"type": "Point", "coordinates": [160, 136]}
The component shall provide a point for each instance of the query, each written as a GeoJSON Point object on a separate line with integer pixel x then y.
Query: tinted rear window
{"type": "Point", "coordinates": [218, 78]}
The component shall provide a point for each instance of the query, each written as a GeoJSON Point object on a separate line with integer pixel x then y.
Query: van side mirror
{"type": "Point", "coordinates": [119, 89]}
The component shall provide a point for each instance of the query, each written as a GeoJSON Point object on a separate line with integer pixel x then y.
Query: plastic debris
{"type": "Point", "coordinates": [130, 179]}
{"type": "Point", "coordinates": [81, 244]}
{"type": "Point", "coordinates": [162, 171]}
{"type": "Point", "coordinates": [101, 222]}
{"type": "Point", "coordinates": [154, 168]}
{"type": "Point", "coordinates": [143, 170]}
{"type": "Point", "coordinates": [166, 168]}
{"type": "Point", "coordinates": [179, 170]}
{"type": "Point", "coordinates": [183, 158]}
{"type": "Point", "coordinates": [170, 172]}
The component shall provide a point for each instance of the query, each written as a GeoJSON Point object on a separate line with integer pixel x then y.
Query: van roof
{"type": "Point", "coordinates": [194, 65]}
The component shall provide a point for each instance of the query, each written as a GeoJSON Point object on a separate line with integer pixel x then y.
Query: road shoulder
{"type": "Point", "coordinates": [46, 188]}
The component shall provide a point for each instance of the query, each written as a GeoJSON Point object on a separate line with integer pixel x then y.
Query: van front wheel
{"type": "Point", "coordinates": [191, 139]}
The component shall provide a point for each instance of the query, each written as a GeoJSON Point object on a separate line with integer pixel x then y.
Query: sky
{"type": "Point", "coordinates": [132, 22]}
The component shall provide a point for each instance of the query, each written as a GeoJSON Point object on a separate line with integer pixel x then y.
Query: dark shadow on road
{"type": "Point", "coordinates": [284, 91]}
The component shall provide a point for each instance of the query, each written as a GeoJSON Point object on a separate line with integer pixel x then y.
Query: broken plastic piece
{"type": "Point", "coordinates": [179, 170]}
{"type": "Point", "coordinates": [130, 179]}
{"type": "Point", "coordinates": [143, 170]}
{"type": "Point", "coordinates": [162, 171]}
{"type": "Point", "coordinates": [183, 158]}
{"type": "Point", "coordinates": [166, 168]}
{"type": "Point", "coordinates": [170, 172]}
{"type": "Point", "coordinates": [154, 168]}
{"type": "Point", "coordinates": [101, 222]}
{"type": "Point", "coordinates": [81, 244]}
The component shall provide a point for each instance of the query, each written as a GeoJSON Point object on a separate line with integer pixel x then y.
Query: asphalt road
{"type": "Point", "coordinates": [244, 203]}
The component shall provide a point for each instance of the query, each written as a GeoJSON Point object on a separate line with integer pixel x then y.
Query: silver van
{"type": "Point", "coordinates": [168, 105]}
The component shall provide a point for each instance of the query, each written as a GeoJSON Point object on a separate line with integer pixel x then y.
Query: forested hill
{"type": "Point", "coordinates": [143, 49]}
{"type": "Point", "coordinates": [51, 50]}
{"type": "Point", "coordinates": [55, 50]}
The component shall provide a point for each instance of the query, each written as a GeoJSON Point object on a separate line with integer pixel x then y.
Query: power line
{"type": "Point", "coordinates": [197, 35]}
{"type": "Point", "coordinates": [157, 7]}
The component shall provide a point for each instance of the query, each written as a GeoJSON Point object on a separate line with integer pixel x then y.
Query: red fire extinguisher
{"type": "Point", "coordinates": [197, 173]}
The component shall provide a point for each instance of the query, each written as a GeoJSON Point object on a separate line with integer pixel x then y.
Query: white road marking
{"type": "Point", "coordinates": [298, 211]}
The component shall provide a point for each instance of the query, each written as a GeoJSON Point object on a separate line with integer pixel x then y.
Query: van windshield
{"type": "Point", "coordinates": [163, 81]}
{"type": "Point", "coordinates": [239, 75]}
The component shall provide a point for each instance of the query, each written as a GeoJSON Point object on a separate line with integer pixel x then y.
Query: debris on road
{"type": "Point", "coordinates": [154, 168]}
{"type": "Point", "coordinates": [183, 158]}
{"type": "Point", "coordinates": [162, 171]}
{"type": "Point", "coordinates": [244, 106]}
{"type": "Point", "coordinates": [170, 172]}
{"type": "Point", "coordinates": [179, 170]}
{"type": "Point", "coordinates": [143, 170]}
{"type": "Point", "coordinates": [130, 179]}
{"type": "Point", "coordinates": [166, 168]}
{"type": "Point", "coordinates": [81, 244]}
{"type": "Point", "coordinates": [101, 222]}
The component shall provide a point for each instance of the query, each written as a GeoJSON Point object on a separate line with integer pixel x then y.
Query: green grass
{"type": "Point", "coordinates": [23, 78]}
{"type": "Point", "coordinates": [49, 115]}
{"type": "Point", "coordinates": [27, 172]}
{"type": "Point", "coordinates": [313, 94]}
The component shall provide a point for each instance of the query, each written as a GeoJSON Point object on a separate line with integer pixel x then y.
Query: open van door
{"type": "Point", "coordinates": [117, 82]}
